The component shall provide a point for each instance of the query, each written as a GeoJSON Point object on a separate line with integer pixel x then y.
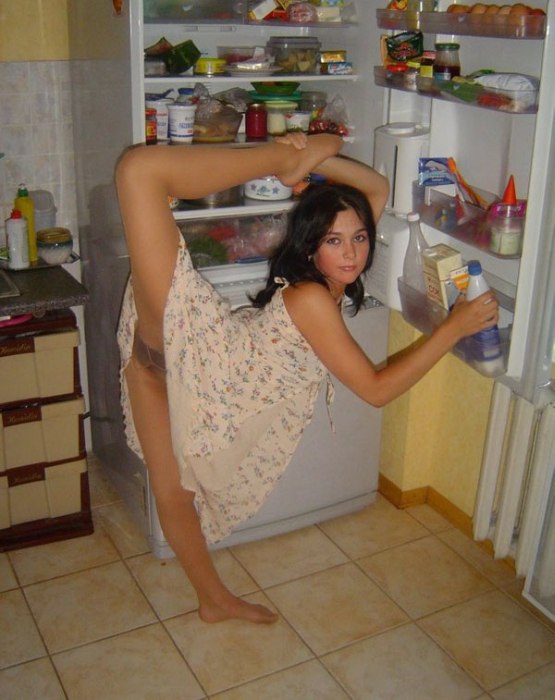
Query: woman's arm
{"type": "Point", "coordinates": [316, 315]}
{"type": "Point", "coordinates": [357, 174]}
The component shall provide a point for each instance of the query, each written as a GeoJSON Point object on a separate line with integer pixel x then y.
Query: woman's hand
{"type": "Point", "coordinates": [298, 139]}
{"type": "Point", "coordinates": [470, 317]}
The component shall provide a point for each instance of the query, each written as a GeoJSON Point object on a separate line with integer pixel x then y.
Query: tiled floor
{"type": "Point", "coordinates": [379, 604]}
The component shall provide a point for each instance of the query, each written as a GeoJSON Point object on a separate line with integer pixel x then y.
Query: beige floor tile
{"type": "Point", "coordinates": [88, 606]}
{"type": "Point", "coordinates": [497, 571]}
{"type": "Point", "coordinates": [30, 681]}
{"type": "Point", "coordinates": [514, 589]}
{"type": "Point", "coordinates": [290, 556]}
{"type": "Point", "coordinates": [168, 589]}
{"type": "Point", "coordinates": [424, 576]}
{"type": "Point", "coordinates": [538, 685]}
{"type": "Point", "coordinates": [122, 527]}
{"type": "Point", "coordinates": [373, 529]}
{"type": "Point", "coordinates": [7, 576]}
{"type": "Point", "coordinates": [235, 652]}
{"type": "Point", "coordinates": [492, 638]}
{"type": "Point", "coordinates": [430, 518]}
{"type": "Point", "coordinates": [143, 664]}
{"type": "Point", "coordinates": [19, 638]}
{"type": "Point", "coordinates": [401, 664]}
{"type": "Point", "coordinates": [46, 561]}
{"type": "Point", "coordinates": [335, 607]}
{"type": "Point", "coordinates": [308, 681]}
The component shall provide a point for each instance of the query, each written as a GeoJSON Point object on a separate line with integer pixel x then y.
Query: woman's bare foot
{"type": "Point", "coordinates": [318, 148]}
{"type": "Point", "coordinates": [236, 608]}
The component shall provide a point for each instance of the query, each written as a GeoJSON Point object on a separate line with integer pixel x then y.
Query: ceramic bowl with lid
{"type": "Point", "coordinates": [54, 245]}
{"type": "Point", "coordinates": [267, 188]}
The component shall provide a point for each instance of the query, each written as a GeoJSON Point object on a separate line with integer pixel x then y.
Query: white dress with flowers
{"type": "Point", "coordinates": [241, 388]}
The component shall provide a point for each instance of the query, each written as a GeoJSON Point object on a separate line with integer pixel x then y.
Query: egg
{"type": "Point", "coordinates": [457, 9]}
{"type": "Point", "coordinates": [478, 9]}
{"type": "Point", "coordinates": [492, 9]}
{"type": "Point", "coordinates": [520, 9]}
{"type": "Point", "coordinates": [505, 9]}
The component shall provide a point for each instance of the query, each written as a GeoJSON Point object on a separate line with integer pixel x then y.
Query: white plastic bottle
{"type": "Point", "coordinates": [17, 240]}
{"type": "Point", "coordinates": [487, 351]}
{"type": "Point", "coordinates": [413, 272]}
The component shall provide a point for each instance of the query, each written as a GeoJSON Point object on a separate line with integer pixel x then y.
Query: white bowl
{"type": "Point", "coordinates": [267, 188]}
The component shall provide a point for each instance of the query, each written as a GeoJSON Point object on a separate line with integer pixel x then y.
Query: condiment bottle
{"type": "Point", "coordinates": [24, 204]}
{"type": "Point", "coordinates": [256, 118]}
{"type": "Point", "coordinates": [17, 240]}
{"type": "Point", "coordinates": [151, 127]}
{"type": "Point", "coordinates": [486, 348]}
{"type": "Point", "coordinates": [427, 64]}
{"type": "Point", "coordinates": [447, 65]}
{"type": "Point", "coordinates": [413, 271]}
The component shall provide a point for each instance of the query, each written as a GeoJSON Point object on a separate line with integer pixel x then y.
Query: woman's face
{"type": "Point", "coordinates": [343, 252]}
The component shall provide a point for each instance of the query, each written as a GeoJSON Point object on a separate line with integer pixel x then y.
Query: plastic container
{"type": "Point", "coordinates": [313, 102]}
{"type": "Point", "coordinates": [297, 120]}
{"type": "Point", "coordinates": [17, 241]}
{"type": "Point", "coordinates": [209, 66]}
{"type": "Point", "coordinates": [506, 222]}
{"type": "Point", "coordinates": [45, 209]}
{"type": "Point", "coordinates": [277, 111]}
{"type": "Point", "coordinates": [181, 120]}
{"type": "Point", "coordinates": [295, 54]}
{"type": "Point", "coordinates": [216, 123]}
{"type": "Point", "coordinates": [413, 271]}
{"type": "Point", "coordinates": [24, 204]}
{"type": "Point", "coordinates": [235, 54]}
{"type": "Point", "coordinates": [487, 348]}
{"type": "Point", "coordinates": [161, 107]}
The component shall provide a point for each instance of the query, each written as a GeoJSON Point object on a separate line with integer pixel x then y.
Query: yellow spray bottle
{"type": "Point", "coordinates": [25, 205]}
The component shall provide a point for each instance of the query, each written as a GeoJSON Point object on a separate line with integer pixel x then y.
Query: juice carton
{"type": "Point", "coordinates": [438, 262]}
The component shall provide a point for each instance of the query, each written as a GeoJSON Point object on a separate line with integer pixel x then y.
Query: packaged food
{"type": "Point", "coordinates": [337, 68]}
{"type": "Point", "coordinates": [402, 47]}
{"type": "Point", "coordinates": [302, 12]}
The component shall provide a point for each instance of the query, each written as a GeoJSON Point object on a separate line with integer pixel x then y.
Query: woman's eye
{"type": "Point", "coordinates": [333, 240]}
{"type": "Point", "coordinates": [361, 237]}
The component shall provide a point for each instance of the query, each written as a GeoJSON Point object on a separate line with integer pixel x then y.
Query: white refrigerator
{"type": "Point", "coordinates": [489, 144]}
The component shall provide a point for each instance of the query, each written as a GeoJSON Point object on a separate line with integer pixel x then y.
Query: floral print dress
{"type": "Point", "coordinates": [241, 388]}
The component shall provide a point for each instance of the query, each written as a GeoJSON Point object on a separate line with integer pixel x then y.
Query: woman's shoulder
{"type": "Point", "coordinates": [309, 298]}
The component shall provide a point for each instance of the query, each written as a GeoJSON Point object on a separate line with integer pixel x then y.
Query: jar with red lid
{"type": "Point", "coordinates": [151, 127]}
{"type": "Point", "coordinates": [256, 118]}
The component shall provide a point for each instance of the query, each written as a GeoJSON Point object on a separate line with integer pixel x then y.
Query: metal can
{"type": "Point", "coordinates": [256, 121]}
{"type": "Point", "coordinates": [151, 128]}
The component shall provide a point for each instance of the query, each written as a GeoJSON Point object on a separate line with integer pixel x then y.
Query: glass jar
{"type": "Point", "coordinates": [447, 65]}
{"type": "Point", "coordinates": [277, 123]}
{"type": "Point", "coordinates": [256, 118]}
{"type": "Point", "coordinates": [150, 126]}
{"type": "Point", "coordinates": [313, 101]}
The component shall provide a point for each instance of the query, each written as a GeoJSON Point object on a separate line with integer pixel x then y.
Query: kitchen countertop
{"type": "Point", "coordinates": [43, 289]}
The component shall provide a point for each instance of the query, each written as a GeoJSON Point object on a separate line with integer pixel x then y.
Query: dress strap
{"type": "Point", "coordinates": [282, 281]}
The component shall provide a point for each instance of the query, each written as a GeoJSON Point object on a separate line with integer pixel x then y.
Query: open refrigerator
{"type": "Point", "coordinates": [488, 144]}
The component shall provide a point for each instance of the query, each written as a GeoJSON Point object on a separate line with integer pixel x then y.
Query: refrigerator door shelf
{"type": "Point", "coordinates": [426, 316]}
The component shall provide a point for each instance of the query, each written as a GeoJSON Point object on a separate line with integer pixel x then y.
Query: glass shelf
{"type": "Point", "coordinates": [170, 80]}
{"type": "Point", "coordinates": [499, 100]}
{"type": "Point", "coordinates": [465, 24]}
{"type": "Point", "coordinates": [465, 222]}
{"type": "Point", "coordinates": [425, 315]}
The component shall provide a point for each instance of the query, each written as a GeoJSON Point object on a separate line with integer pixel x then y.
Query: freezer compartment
{"type": "Point", "coordinates": [426, 316]}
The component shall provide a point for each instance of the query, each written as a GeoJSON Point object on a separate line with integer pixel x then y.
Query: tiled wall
{"type": "Point", "coordinates": [36, 136]}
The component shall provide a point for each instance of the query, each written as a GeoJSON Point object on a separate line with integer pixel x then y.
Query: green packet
{"type": "Point", "coordinates": [181, 57]}
{"type": "Point", "coordinates": [405, 46]}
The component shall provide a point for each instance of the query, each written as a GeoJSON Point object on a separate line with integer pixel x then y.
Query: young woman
{"type": "Point", "coordinates": [215, 401]}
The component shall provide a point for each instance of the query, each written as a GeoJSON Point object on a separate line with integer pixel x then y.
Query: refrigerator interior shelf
{"type": "Point", "coordinates": [465, 24]}
{"type": "Point", "coordinates": [154, 83]}
{"type": "Point", "coordinates": [465, 222]}
{"type": "Point", "coordinates": [425, 315]}
{"type": "Point", "coordinates": [505, 101]}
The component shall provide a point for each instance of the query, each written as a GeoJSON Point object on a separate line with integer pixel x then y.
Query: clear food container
{"type": "Point", "coordinates": [295, 54]}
